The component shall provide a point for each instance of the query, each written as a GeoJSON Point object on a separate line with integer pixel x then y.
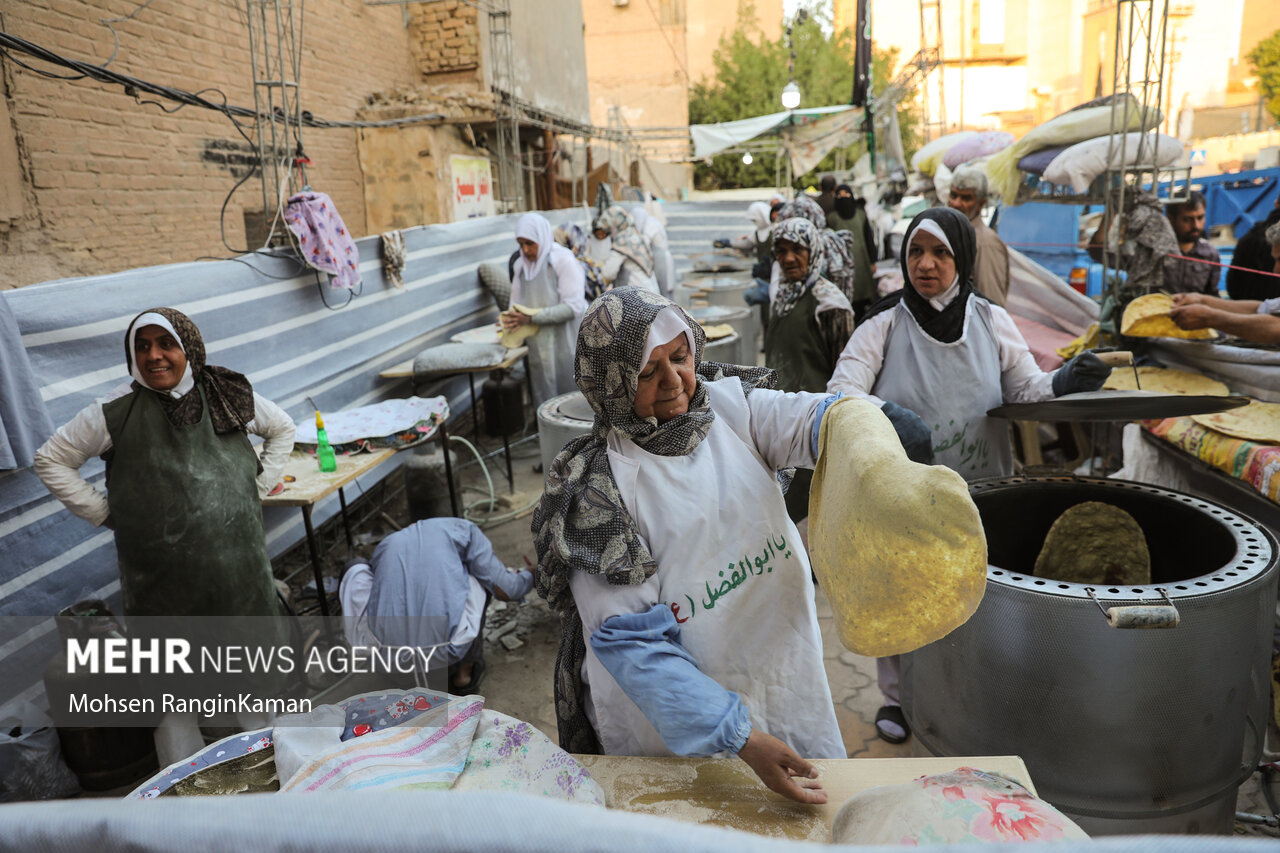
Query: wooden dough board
{"type": "Point", "coordinates": [724, 792]}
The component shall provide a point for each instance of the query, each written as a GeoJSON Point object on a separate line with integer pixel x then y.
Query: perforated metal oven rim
{"type": "Point", "coordinates": [1256, 550]}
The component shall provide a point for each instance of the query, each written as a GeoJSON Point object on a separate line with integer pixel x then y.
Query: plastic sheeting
{"type": "Point", "coordinates": [1038, 294]}
{"type": "Point", "coordinates": [711, 139]}
{"type": "Point", "coordinates": [430, 821]}
{"type": "Point", "coordinates": [24, 422]}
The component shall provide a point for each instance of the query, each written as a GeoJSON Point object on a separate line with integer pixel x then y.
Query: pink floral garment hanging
{"type": "Point", "coordinates": [323, 237]}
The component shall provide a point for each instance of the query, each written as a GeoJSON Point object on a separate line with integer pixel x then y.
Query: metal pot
{"type": "Point", "coordinates": [744, 321]}
{"type": "Point", "coordinates": [1124, 729]}
{"type": "Point", "coordinates": [560, 419]}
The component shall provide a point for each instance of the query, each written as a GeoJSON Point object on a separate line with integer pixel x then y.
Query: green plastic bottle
{"type": "Point", "coordinates": [324, 450]}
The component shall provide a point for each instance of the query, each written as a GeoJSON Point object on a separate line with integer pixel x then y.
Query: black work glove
{"type": "Point", "coordinates": [913, 432]}
{"type": "Point", "coordinates": [720, 244]}
{"type": "Point", "coordinates": [1085, 372]}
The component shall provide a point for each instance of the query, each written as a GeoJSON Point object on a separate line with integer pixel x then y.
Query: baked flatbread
{"type": "Point", "coordinates": [898, 547]}
{"type": "Point", "coordinates": [1165, 380]}
{"type": "Point", "coordinates": [717, 331]}
{"type": "Point", "coordinates": [1148, 317]}
{"type": "Point", "coordinates": [1255, 422]}
{"type": "Point", "coordinates": [1095, 543]}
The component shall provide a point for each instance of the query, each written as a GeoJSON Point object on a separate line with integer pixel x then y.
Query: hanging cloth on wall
{"type": "Point", "coordinates": [393, 258]}
{"type": "Point", "coordinates": [325, 242]}
{"type": "Point", "coordinates": [24, 421]}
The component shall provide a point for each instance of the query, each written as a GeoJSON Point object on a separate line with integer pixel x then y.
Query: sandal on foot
{"type": "Point", "coordinates": [477, 673]}
{"type": "Point", "coordinates": [887, 719]}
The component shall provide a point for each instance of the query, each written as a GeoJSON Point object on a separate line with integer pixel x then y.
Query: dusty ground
{"type": "Point", "coordinates": [519, 677]}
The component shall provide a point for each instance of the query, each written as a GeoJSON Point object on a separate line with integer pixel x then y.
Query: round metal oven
{"type": "Point", "coordinates": [725, 350]}
{"type": "Point", "coordinates": [559, 420]}
{"type": "Point", "coordinates": [1128, 731]}
{"type": "Point", "coordinates": [742, 321]}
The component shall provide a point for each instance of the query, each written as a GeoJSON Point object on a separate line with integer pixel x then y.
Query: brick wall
{"type": "Point", "coordinates": [111, 184]}
{"type": "Point", "coordinates": [445, 37]}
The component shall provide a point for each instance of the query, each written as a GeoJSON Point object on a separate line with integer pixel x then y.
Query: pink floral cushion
{"type": "Point", "coordinates": [963, 805]}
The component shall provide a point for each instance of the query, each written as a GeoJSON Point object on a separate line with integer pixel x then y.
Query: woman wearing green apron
{"type": "Point", "coordinates": [184, 485]}
{"type": "Point", "coordinates": [810, 321]}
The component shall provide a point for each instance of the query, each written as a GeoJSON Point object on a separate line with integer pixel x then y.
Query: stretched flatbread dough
{"type": "Point", "coordinates": [1165, 380]}
{"type": "Point", "coordinates": [1148, 317]}
{"type": "Point", "coordinates": [1254, 422]}
{"type": "Point", "coordinates": [1095, 543]}
{"type": "Point", "coordinates": [897, 546]}
{"type": "Point", "coordinates": [516, 337]}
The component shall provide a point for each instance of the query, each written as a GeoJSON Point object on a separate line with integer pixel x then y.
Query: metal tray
{"type": "Point", "coordinates": [1117, 406]}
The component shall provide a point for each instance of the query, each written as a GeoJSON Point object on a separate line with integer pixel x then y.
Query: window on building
{"type": "Point", "coordinates": [991, 22]}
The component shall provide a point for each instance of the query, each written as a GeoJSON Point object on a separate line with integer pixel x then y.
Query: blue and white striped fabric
{"type": "Point", "coordinates": [260, 317]}
{"type": "Point", "coordinates": [264, 319]}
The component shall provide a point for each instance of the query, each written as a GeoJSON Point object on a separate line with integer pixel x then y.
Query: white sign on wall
{"type": "Point", "coordinates": [472, 187]}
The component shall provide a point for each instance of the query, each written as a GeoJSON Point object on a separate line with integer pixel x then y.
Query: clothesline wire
{"type": "Point", "coordinates": [1167, 255]}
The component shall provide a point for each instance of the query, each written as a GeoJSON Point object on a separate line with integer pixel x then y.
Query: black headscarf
{"type": "Point", "coordinates": [846, 206]}
{"type": "Point", "coordinates": [948, 324]}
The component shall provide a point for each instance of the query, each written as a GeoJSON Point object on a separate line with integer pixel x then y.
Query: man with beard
{"type": "Point", "coordinates": [991, 269]}
{"type": "Point", "coordinates": [1191, 276]}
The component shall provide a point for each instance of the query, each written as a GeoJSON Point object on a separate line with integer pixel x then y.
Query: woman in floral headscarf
{"type": "Point", "coordinates": [663, 541]}
{"type": "Point", "coordinates": [810, 321]}
{"type": "Point", "coordinates": [630, 260]}
{"type": "Point", "coordinates": [184, 486]}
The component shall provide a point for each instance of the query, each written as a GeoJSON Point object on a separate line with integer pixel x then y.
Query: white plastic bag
{"type": "Point", "coordinates": [1083, 162]}
{"type": "Point", "coordinates": [926, 160]}
{"type": "Point", "coordinates": [1066, 129]}
{"type": "Point", "coordinates": [31, 765]}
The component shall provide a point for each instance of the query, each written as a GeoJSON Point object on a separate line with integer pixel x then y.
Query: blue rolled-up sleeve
{"type": "Point", "coordinates": [691, 712]}
{"type": "Point", "coordinates": [817, 419]}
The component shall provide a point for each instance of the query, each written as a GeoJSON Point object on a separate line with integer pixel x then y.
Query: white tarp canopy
{"type": "Point", "coordinates": [711, 139]}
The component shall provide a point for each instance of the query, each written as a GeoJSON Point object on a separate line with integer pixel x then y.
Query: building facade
{"type": "Point", "coordinates": [94, 179]}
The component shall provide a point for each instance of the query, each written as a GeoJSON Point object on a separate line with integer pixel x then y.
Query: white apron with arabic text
{"type": "Point", "coordinates": [732, 569]}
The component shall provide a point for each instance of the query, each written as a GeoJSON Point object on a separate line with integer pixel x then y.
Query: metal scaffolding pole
{"type": "Point", "coordinates": [274, 27]}
{"type": "Point", "coordinates": [506, 114]}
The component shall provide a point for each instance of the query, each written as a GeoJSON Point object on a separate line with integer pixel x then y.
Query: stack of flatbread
{"type": "Point", "coordinates": [1165, 380]}
{"type": "Point", "coordinates": [1254, 422]}
{"type": "Point", "coordinates": [1148, 317]}
{"type": "Point", "coordinates": [717, 331]}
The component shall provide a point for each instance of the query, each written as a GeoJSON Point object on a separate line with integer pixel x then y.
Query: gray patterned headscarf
{"type": "Point", "coordinates": [582, 523]}
{"type": "Point", "coordinates": [802, 233]}
{"type": "Point", "coordinates": [837, 246]}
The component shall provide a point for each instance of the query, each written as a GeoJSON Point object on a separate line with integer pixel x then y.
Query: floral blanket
{"type": "Point", "coordinates": [402, 739]}
{"type": "Point", "coordinates": [1248, 461]}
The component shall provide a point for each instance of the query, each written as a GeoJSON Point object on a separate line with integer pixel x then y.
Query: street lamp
{"type": "Point", "coordinates": [746, 159]}
{"type": "Point", "coordinates": [791, 96]}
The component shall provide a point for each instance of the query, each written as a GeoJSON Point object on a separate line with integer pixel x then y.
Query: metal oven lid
{"type": "Point", "coordinates": [1117, 406]}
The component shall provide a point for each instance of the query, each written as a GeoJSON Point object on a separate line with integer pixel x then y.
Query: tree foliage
{"type": "Point", "coordinates": [750, 73]}
{"type": "Point", "coordinates": [1265, 59]}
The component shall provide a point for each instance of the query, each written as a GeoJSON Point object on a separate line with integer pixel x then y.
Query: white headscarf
{"type": "Point", "coordinates": [186, 383]}
{"type": "Point", "coordinates": [758, 213]}
{"type": "Point", "coordinates": [535, 228]}
{"type": "Point", "coordinates": [667, 326]}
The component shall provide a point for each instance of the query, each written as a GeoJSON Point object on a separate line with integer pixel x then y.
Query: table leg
{"type": "Point", "coordinates": [528, 381]}
{"type": "Point", "coordinates": [506, 444]}
{"type": "Point", "coordinates": [346, 522]}
{"type": "Point", "coordinates": [475, 413]}
{"type": "Point", "coordinates": [315, 562]}
{"type": "Point", "coordinates": [448, 468]}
